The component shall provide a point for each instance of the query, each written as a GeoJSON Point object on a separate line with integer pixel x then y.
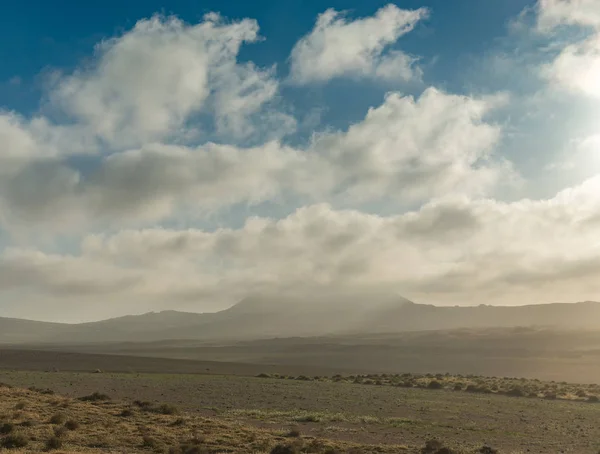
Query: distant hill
{"type": "Point", "coordinates": [269, 316]}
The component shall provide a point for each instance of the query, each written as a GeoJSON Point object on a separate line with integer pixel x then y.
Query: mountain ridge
{"type": "Point", "coordinates": [260, 317]}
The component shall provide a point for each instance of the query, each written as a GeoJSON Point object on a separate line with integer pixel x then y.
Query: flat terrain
{"type": "Point", "coordinates": [348, 412]}
{"type": "Point", "coordinates": [545, 354]}
{"type": "Point", "coordinates": [38, 360]}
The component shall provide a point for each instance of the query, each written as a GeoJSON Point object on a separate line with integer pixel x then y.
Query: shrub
{"type": "Point", "coordinates": [149, 442]}
{"type": "Point", "coordinates": [20, 405]}
{"type": "Point", "coordinates": [285, 449]}
{"type": "Point", "coordinates": [58, 418]}
{"type": "Point", "coordinates": [473, 389]}
{"type": "Point", "coordinates": [193, 446]}
{"type": "Point", "coordinates": [263, 375]}
{"type": "Point", "coordinates": [54, 442]}
{"type": "Point", "coordinates": [434, 384]}
{"type": "Point", "coordinates": [593, 399]}
{"type": "Point", "coordinates": [71, 424]}
{"type": "Point", "coordinates": [487, 450]}
{"type": "Point", "coordinates": [126, 413]}
{"type": "Point", "coordinates": [60, 431]}
{"type": "Point", "coordinates": [166, 409]}
{"type": "Point", "coordinates": [515, 392]}
{"type": "Point", "coordinates": [308, 418]}
{"type": "Point", "coordinates": [580, 393]}
{"type": "Point", "coordinates": [432, 447]}
{"type": "Point", "coordinates": [14, 441]}
{"type": "Point", "coordinates": [95, 397]}
{"type": "Point", "coordinates": [6, 428]}
{"type": "Point", "coordinates": [293, 433]}
{"type": "Point", "coordinates": [143, 404]}
{"type": "Point", "coordinates": [458, 387]}
{"type": "Point", "coordinates": [46, 391]}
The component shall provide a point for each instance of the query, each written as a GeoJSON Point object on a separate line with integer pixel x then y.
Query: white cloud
{"type": "Point", "coordinates": [581, 154]}
{"type": "Point", "coordinates": [577, 67]}
{"type": "Point", "coordinates": [417, 148]}
{"type": "Point", "coordinates": [337, 47]}
{"type": "Point", "coordinates": [552, 13]}
{"type": "Point", "coordinates": [145, 84]}
{"type": "Point", "coordinates": [405, 150]}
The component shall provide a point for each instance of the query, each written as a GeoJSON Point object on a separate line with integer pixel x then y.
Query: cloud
{"type": "Point", "coordinates": [577, 66]}
{"type": "Point", "coordinates": [553, 13]}
{"type": "Point", "coordinates": [337, 47]}
{"type": "Point", "coordinates": [417, 148]}
{"type": "Point", "coordinates": [141, 185]}
{"type": "Point", "coordinates": [452, 250]}
{"type": "Point", "coordinates": [146, 84]}
{"type": "Point", "coordinates": [405, 150]}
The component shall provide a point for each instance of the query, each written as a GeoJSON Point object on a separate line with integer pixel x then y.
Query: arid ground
{"type": "Point", "coordinates": [553, 418]}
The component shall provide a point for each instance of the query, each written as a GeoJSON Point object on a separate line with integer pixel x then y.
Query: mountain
{"type": "Point", "coordinates": [271, 316]}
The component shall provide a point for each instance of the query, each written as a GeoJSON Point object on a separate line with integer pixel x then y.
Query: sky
{"type": "Point", "coordinates": [186, 156]}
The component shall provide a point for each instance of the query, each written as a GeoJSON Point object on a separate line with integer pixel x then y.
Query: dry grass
{"type": "Point", "coordinates": [98, 426]}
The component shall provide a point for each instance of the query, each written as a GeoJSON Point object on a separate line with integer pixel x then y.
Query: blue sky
{"type": "Point", "coordinates": [166, 157]}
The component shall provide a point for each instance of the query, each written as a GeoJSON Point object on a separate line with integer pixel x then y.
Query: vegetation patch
{"type": "Point", "coordinates": [508, 386]}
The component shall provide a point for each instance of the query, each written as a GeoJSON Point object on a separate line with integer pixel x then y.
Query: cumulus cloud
{"type": "Point", "coordinates": [406, 150]}
{"type": "Point", "coordinates": [338, 47]}
{"type": "Point", "coordinates": [417, 148]}
{"type": "Point", "coordinates": [145, 84]}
